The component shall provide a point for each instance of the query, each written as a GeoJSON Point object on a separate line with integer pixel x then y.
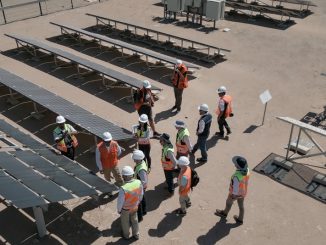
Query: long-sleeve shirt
{"type": "Point", "coordinates": [98, 157]}
{"type": "Point", "coordinates": [121, 197]}
{"type": "Point", "coordinates": [171, 156]}
{"type": "Point", "coordinates": [186, 139]}
{"type": "Point", "coordinates": [201, 125]}
{"type": "Point", "coordinates": [143, 178]}
{"type": "Point", "coordinates": [235, 184]}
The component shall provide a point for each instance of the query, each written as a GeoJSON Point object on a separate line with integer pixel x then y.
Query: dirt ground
{"type": "Point", "coordinates": [289, 63]}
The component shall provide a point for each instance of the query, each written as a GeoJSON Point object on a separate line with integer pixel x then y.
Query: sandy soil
{"type": "Point", "coordinates": [287, 62]}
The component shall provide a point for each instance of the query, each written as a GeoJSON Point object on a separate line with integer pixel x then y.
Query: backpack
{"type": "Point", "coordinates": [194, 178]}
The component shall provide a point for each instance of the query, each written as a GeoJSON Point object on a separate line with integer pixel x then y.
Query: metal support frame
{"type": "Point", "coordinates": [40, 223]}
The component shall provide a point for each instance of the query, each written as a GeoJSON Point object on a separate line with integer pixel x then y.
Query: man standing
{"type": "Point", "coordinates": [64, 136]}
{"type": "Point", "coordinates": [168, 161]}
{"type": "Point", "coordinates": [180, 82]}
{"type": "Point", "coordinates": [106, 155]}
{"type": "Point", "coordinates": [129, 197]}
{"type": "Point", "coordinates": [144, 102]}
{"type": "Point", "coordinates": [223, 111]}
{"type": "Point", "coordinates": [141, 171]}
{"type": "Point", "coordinates": [203, 128]}
{"type": "Point", "coordinates": [184, 182]}
{"type": "Point", "coordinates": [238, 189]}
{"type": "Point", "coordinates": [182, 143]}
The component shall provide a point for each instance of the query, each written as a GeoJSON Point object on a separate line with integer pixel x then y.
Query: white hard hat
{"type": "Point", "coordinates": [178, 62]}
{"type": "Point", "coordinates": [143, 118]}
{"type": "Point", "coordinates": [107, 136]}
{"type": "Point", "coordinates": [179, 124]}
{"type": "Point", "coordinates": [127, 171]}
{"type": "Point", "coordinates": [183, 161]}
{"type": "Point", "coordinates": [147, 84]}
{"type": "Point", "coordinates": [203, 107]}
{"type": "Point", "coordinates": [60, 119]}
{"type": "Point", "coordinates": [221, 89]}
{"type": "Point", "coordinates": [138, 155]}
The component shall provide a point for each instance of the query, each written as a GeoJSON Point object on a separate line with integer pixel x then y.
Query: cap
{"type": "Point", "coordinates": [203, 107]}
{"type": "Point", "coordinates": [165, 137]}
{"type": "Point", "coordinates": [127, 171]}
{"type": "Point", "coordinates": [179, 124]}
{"type": "Point", "coordinates": [183, 161]}
{"type": "Point", "coordinates": [240, 162]}
{"type": "Point", "coordinates": [143, 118]}
{"type": "Point", "coordinates": [107, 136]}
{"type": "Point", "coordinates": [60, 119]}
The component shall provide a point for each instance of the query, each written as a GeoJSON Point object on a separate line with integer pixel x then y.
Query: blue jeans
{"type": "Point", "coordinates": [169, 180]}
{"type": "Point", "coordinates": [201, 144]}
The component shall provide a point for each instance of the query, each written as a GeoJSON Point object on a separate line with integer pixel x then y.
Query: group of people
{"type": "Point", "coordinates": [133, 182]}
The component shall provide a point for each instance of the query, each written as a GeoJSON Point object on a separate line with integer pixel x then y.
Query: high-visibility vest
{"type": "Point", "coordinates": [243, 183]}
{"type": "Point", "coordinates": [181, 145]}
{"type": "Point", "coordinates": [177, 81]}
{"type": "Point", "coordinates": [141, 135]}
{"type": "Point", "coordinates": [141, 100]}
{"type": "Point", "coordinates": [183, 191]}
{"type": "Point", "coordinates": [228, 106]}
{"type": "Point", "coordinates": [139, 167]}
{"type": "Point", "coordinates": [61, 145]}
{"type": "Point", "coordinates": [109, 157]}
{"type": "Point", "coordinates": [166, 162]}
{"type": "Point", "coordinates": [133, 191]}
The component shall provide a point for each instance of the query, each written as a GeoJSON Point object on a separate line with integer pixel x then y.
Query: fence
{"type": "Point", "coordinates": [14, 10]}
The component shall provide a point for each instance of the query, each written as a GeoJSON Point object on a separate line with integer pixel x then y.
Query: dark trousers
{"type": "Point", "coordinates": [169, 179]}
{"type": "Point", "coordinates": [201, 144]}
{"type": "Point", "coordinates": [70, 153]}
{"type": "Point", "coordinates": [178, 97]}
{"type": "Point", "coordinates": [141, 209]}
{"type": "Point", "coordinates": [221, 124]}
{"type": "Point", "coordinates": [146, 149]}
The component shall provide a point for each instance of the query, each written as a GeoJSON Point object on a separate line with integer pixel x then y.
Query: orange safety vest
{"type": "Point", "coordinates": [166, 162]}
{"type": "Point", "coordinates": [177, 81]}
{"type": "Point", "coordinates": [109, 157]}
{"type": "Point", "coordinates": [182, 148]}
{"type": "Point", "coordinates": [183, 191]}
{"type": "Point", "coordinates": [243, 183]}
{"type": "Point", "coordinates": [228, 110]}
{"type": "Point", "coordinates": [141, 100]}
{"type": "Point", "coordinates": [61, 145]}
{"type": "Point", "coordinates": [133, 191]}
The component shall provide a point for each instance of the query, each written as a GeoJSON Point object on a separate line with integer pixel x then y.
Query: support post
{"type": "Point", "coordinates": [262, 123]}
{"type": "Point", "coordinates": [288, 148]}
{"type": "Point", "coordinates": [40, 223]}
{"type": "Point", "coordinates": [3, 12]}
{"type": "Point", "coordinates": [72, 4]}
{"type": "Point", "coordinates": [40, 6]}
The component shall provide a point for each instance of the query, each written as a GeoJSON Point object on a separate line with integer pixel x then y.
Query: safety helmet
{"type": "Point", "coordinates": [143, 118]}
{"type": "Point", "coordinates": [107, 136]}
{"type": "Point", "coordinates": [178, 62]}
{"type": "Point", "coordinates": [138, 155]}
{"type": "Point", "coordinates": [60, 119]}
{"type": "Point", "coordinates": [183, 161]}
{"type": "Point", "coordinates": [146, 84]}
{"type": "Point", "coordinates": [203, 107]}
{"type": "Point", "coordinates": [127, 171]}
{"type": "Point", "coordinates": [221, 89]}
{"type": "Point", "coordinates": [179, 124]}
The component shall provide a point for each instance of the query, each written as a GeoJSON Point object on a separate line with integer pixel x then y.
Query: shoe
{"type": "Point", "coordinates": [177, 111]}
{"type": "Point", "coordinates": [171, 194]}
{"type": "Point", "coordinates": [236, 218]}
{"type": "Point", "coordinates": [144, 213]}
{"type": "Point", "coordinates": [173, 108]}
{"type": "Point", "coordinates": [220, 213]}
{"type": "Point", "coordinates": [188, 204]}
{"type": "Point", "coordinates": [140, 219]}
{"type": "Point", "coordinates": [201, 160]}
{"type": "Point", "coordinates": [181, 213]}
{"type": "Point", "coordinates": [156, 134]}
{"type": "Point", "coordinates": [229, 132]}
{"type": "Point", "coordinates": [219, 134]}
{"type": "Point", "coordinates": [136, 237]}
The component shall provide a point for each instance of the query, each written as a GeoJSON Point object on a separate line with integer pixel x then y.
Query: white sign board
{"type": "Point", "coordinates": [265, 96]}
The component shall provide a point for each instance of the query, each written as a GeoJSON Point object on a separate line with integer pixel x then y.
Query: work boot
{"type": "Point", "coordinates": [201, 159]}
{"type": "Point", "coordinates": [181, 213]}
{"type": "Point", "coordinates": [173, 108]}
{"type": "Point", "coordinates": [219, 134]}
{"type": "Point", "coordinates": [228, 131]}
{"type": "Point", "coordinates": [237, 220]}
{"type": "Point", "coordinates": [156, 134]}
{"type": "Point", "coordinates": [188, 204]}
{"type": "Point", "coordinates": [220, 213]}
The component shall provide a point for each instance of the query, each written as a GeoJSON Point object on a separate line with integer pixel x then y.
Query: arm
{"type": "Point", "coordinates": [143, 178]}
{"type": "Point", "coordinates": [184, 182]}
{"type": "Point", "coordinates": [201, 127]}
{"type": "Point", "coordinates": [72, 130]}
{"type": "Point", "coordinates": [98, 159]}
{"type": "Point", "coordinates": [121, 200]}
{"type": "Point", "coordinates": [222, 107]}
{"type": "Point", "coordinates": [235, 184]}
{"type": "Point", "coordinates": [119, 150]}
{"type": "Point", "coordinates": [186, 139]}
{"type": "Point", "coordinates": [172, 158]}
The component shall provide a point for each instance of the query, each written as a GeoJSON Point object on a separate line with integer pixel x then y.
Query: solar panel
{"type": "Point", "coordinates": [18, 194]}
{"type": "Point", "coordinates": [20, 85]}
{"type": "Point", "coordinates": [38, 183]}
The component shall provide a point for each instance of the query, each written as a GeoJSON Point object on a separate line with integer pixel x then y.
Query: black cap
{"type": "Point", "coordinates": [240, 162]}
{"type": "Point", "coordinates": [165, 137]}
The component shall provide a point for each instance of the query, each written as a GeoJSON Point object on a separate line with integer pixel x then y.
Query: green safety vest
{"type": "Point", "coordinates": [141, 166]}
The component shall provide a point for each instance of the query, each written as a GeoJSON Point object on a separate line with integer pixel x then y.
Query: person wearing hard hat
{"type": "Point", "coordinates": [203, 129]}
{"type": "Point", "coordinates": [65, 137]}
{"type": "Point", "coordinates": [182, 143]}
{"type": "Point", "coordinates": [130, 194]}
{"type": "Point", "coordinates": [184, 182]}
{"type": "Point", "coordinates": [238, 189]}
{"type": "Point", "coordinates": [223, 111]}
{"type": "Point", "coordinates": [144, 102]}
{"type": "Point", "coordinates": [107, 156]}
{"type": "Point", "coordinates": [141, 171]}
{"type": "Point", "coordinates": [142, 133]}
{"type": "Point", "coordinates": [168, 161]}
{"type": "Point", "coordinates": [180, 82]}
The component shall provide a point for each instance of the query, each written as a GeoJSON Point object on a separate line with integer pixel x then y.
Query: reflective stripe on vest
{"type": "Point", "coordinates": [109, 158]}
{"type": "Point", "coordinates": [183, 191]}
{"type": "Point", "coordinates": [243, 183]}
{"type": "Point", "coordinates": [61, 145]}
{"type": "Point", "coordinates": [142, 140]}
{"type": "Point", "coordinates": [166, 162]}
{"type": "Point", "coordinates": [177, 81]}
{"type": "Point", "coordinates": [228, 103]}
{"type": "Point", "coordinates": [181, 145]}
{"type": "Point", "coordinates": [132, 194]}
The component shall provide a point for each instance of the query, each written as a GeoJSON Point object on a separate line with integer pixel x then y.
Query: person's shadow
{"type": "Point", "coordinates": [163, 115]}
{"type": "Point", "coordinates": [169, 223]}
{"type": "Point", "coordinates": [156, 196]}
{"type": "Point", "coordinates": [216, 233]}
